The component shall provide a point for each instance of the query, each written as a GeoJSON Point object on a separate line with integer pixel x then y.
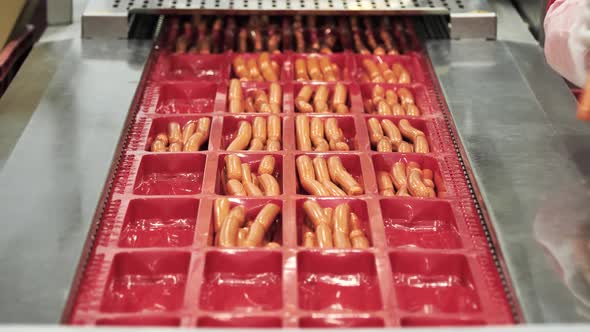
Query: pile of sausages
{"type": "Point", "coordinates": [407, 180]}
{"type": "Point", "coordinates": [389, 102]}
{"type": "Point", "coordinates": [240, 181]}
{"type": "Point", "coordinates": [190, 138]}
{"type": "Point", "coordinates": [319, 135]}
{"type": "Point", "coordinates": [232, 229]}
{"type": "Point", "coordinates": [261, 69]}
{"type": "Point", "coordinates": [385, 136]}
{"type": "Point", "coordinates": [332, 228]}
{"type": "Point", "coordinates": [264, 133]}
{"type": "Point", "coordinates": [321, 102]}
{"type": "Point", "coordinates": [257, 101]}
{"type": "Point", "coordinates": [316, 68]}
{"type": "Point", "coordinates": [321, 178]}
{"type": "Point", "coordinates": [380, 72]}
{"type": "Point", "coordinates": [309, 34]}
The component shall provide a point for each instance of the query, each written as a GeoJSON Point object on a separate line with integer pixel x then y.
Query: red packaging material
{"type": "Point", "coordinates": [154, 261]}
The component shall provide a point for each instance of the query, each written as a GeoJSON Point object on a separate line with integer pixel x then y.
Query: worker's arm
{"type": "Point", "coordinates": [567, 39]}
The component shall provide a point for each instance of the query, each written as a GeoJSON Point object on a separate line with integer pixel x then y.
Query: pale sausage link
{"type": "Point", "coordinates": [342, 226]}
{"type": "Point", "coordinates": [273, 128]}
{"type": "Point", "coordinates": [303, 133]}
{"type": "Point", "coordinates": [235, 188]}
{"type": "Point", "coordinates": [385, 184]}
{"type": "Point", "coordinates": [233, 167]}
{"type": "Point", "coordinates": [242, 139]}
{"type": "Point", "coordinates": [302, 100]}
{"type": "Point", "coordinates": [340, 176]}
{"type": "Point", "coordinates": [259, 128]}
{"type": "Point", "coordinates": [187, 131]}
{"type": "Point", "coordinates": [320, 99]}
{"type": "Point", "coordinates": [313, 69]}
{"type": "Point", "coordinates": [321, 169]}
{"type": "Point", "coordinates": [261, 224]}
{"type": "Point", "coordinates": [408, 131]}
{"type": "Point", "coordinates": [220, 212]}
{"type": "Point", "coordinates": [357, 236]}
{"type": "Point", "coordinates": [385, 145]}
{"type": "Point", "coordinates": [269, 185]}
{"type": "Point", "coordinates": [398, 174]}
{"type": "Point", "coordinates": [228, 234]}
{"type": "Point", "coordinates": [375, 131]}
{"type": "Point", "coordinates": [416, 186]}
{"type": "Point", "coordinates": [240, 68]}
{"type": "Point", "coordinates": [174, 132]}
{"type": "Point", "coordinates": [421, 145]}
{"type": "Point", "coordinates": [391, 131]}
{"type": "Point", "coordinates": [301, 70]}
{"type": "Point", "coordinates": [267, 165]}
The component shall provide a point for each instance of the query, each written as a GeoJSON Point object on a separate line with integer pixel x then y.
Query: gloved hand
{"type": "Point", "coordinates": [567, 39]}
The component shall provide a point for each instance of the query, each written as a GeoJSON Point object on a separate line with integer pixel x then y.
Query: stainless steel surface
{"type": "Point", "coordinates": [52, 181]}
{"type": "Point", "coordinates": [511, 27]}
{"type": "Point", "coordinates": [534, 12]}
{"type": "Point", "coordinates": [59, 11]}
{"type": "Point", "coordinates": [529, 156]}
{"type": "Point", "coordinates": [108, 18]}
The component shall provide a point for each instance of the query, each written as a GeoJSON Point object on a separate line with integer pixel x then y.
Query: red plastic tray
{"type": "Point", "coordinates": [153, 264]}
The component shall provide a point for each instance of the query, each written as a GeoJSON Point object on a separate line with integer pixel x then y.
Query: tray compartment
{"type": "Point", "coordinates": [434, 283]}
{"type": "Point", "coordinates": [140, 321]}
{"type": "Point", "coordinates": [191, 67]}
{"type": "Point", "coordinates": [170, 174]}
{"type": "Point", "coordinates": [430, 321]}
{"type": "Point", "coordinates": [421, 98]}
{"type": "Point", "coordinates": [340, 322]}
{"type": "Point", "coordinates": [188, 97]}
{"type": "Point", "coordinates": [159, 222]}
{"type": "Point", "coordinates": [160, 125]}
{"type": "Point", "coordinates": [338, 282]}
{"type": "Point", "coordinates": [345, 123]}
{"type": "Point", "coordinates": [416, 223]}
{"type": "Point", "coordinates": [234, 321]}
{"type": "Point", "coordinates": [254, 161]}
{"type": "Point", "coordinates": [231, 123]}
{"type": "Point", "coordinates": [352, 91]}
{"type": "Point", "coordinates": [351, 162]}
{"type": "Point", "coordinates": [345, 64]}
{"type": "Point", "coordinates": [417, 74]}
{"type": "Point", "coordinates": [146, 282]}
{"type": "Point", "coordinates": [242, 281]}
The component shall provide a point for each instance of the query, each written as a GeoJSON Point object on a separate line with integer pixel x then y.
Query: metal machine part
{"type": "Point", "coordinates": [468, 19]}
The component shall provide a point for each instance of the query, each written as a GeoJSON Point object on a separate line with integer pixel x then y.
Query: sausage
{"type": "Point", "coordinates": [320, 99]}
{"type": "Point", "coordinates": [321, 169]}
{"type": "Point", "coordinates": [412, 110]}
{"type": "Point", "coordinates": [273, 128]}
{"type": "Point", "coordinates": [391, 131]}
{"type": "Point", "coordinates": [332, 131]}
{"type": "Point", "coordinates": [236, 105]}
{"type": "Point", "coordinates": [275, 93]}
{"type": "Point", "coordinates": [336, 70]}
{"type": "Point", "coordinates": [326, 69]}
{"type": "Point", "coordinates": [421, 145]}
{"type": "Point", "coordinates": [314, 187]}
{"type": "Point", "coordinates": [302, 100]}
{"type": "Point", "coordinates": [259, 128]}
{"type": "Point", "coordinates": [359, 240]}
{"type": "Point", "coordinates": [398, 174]}
{"type": "Point", "coordinates": [242, 138]}
{"type": "Point", "coordinates": [384, 145]}
{"type": "Point", "coordinates": [341, 108]}
{"type": "Point", "coordinates": [427, 174]}
{"type": "Point", "coordinates": [267, 165]}
{"type": "Point", "coordinates": [174, 132]}
{"type": "Point", "coordinates": [309, 238]}
{"type": "Point", "coordinates": [329, 212]}
{"type": "Point", "coordinates": [340, 176]}
{"type": "Point", "coordinates": [332, 188]}
{"type": "Point", "coordinates": [303, 133]}
{"type": "Point", "coordinates": [228, 234]}
{"type": "Point", "coordinates": [403, 191]}
{"type": "Point", "coordinates": [261, 224]}
{"type": "Point", "coordinates": [242, 235]}
{"type": "Point", "coordinates": [274, 108]}
{"type": "Point", "coordinates": [387, 73]}
{"type": "Point", "coordinates": [377, 94]}
{"type": "Point", "coordinates": [315, 213]}
{"type": "Point", "coordinates": [158, 146]}
{"type": "Point", "coordinates": [260, 99]}
{"type": "Point", "coordinates": [203, 126]}
{"type": "Point", "coordinates": [272, 245]}
{"type": "Point", "coordinates": [273, 145]}
{"type": "Point", "coordinates": [313, 69]}
{"type": "Point", "coordinates": [405, 147]}
{"type": "Point", "coordinates": [235, 89]}
{"type": "Point", "coordinates": [255, 74]}
{"type": "Point", "coordinates": [440, 185]}
{"type": "Point", "coordinates": [324, 236]}
{"type": "Point", "coordinates": [175, 147]}
{"type": "Point", "coordinates": [252, 190]}
{"type": "Point", "coordinates": [416, 186]}
{"type": "Point", "coordinates": [235, 188]}
{"type": "Point", "coordinates": [305, 167]}
{"type": "Point", "coordinates": [316, 130]}
{"type": "Point", "coordinates": [375, 131]}
{"type": "Point", "coordinates": [408, 131]}
{"type": "Point", "coordinates": [195, 141]}
{"type": "Point", "coordinates": [405, 96]}
{"type": "Point", "coordinates": [246, 173]}
{"type": "Point", "coordinates": [391, 98]}
{"type": "Point", "coordinates": [342, 226]}
{"type": "Point", "coordinates": [404, 77]}
{"type": "Point", "coordinates": [220, 212]}
{"type": "Point", "coordinates": [340, 146]}
{"type": "Point", "coordinates": [275, 67]}
{"type": "Point", "coordinates": [357, 236]}
{"type": "Point", "coordinates": [243, 40]}
{"type": "Point", "coordinates": [383, 108]}
{"type": "Point", "coordinates": [233, 167]}
{"type": "Point", "coordinates": [301, 70]}
{"type": "Point", "coordinates": [162, 137]}
{"type": "Point", "coordinates": [240, 68]}
{"type": "Point", "coordinates": [373, 71]}
{"type": "Point", "coordinates": [321, 145]}
{"type": "Point", "coordinates": [398, 110]}
{"type": "Point", "coordinates": [269, 185]}
{"type": "Point", "coordinates": [268, 72]}
{"type": "Point", "coordinates": [385, 184]}
{"type": "Point", "coordinates": [181, 44]}
{"type": "Point", "coordinates": [256, 144]}
{"type": "Point", "coordinates": [410, 165]}
{"type": "Point", "coordinates": [339, 96]}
